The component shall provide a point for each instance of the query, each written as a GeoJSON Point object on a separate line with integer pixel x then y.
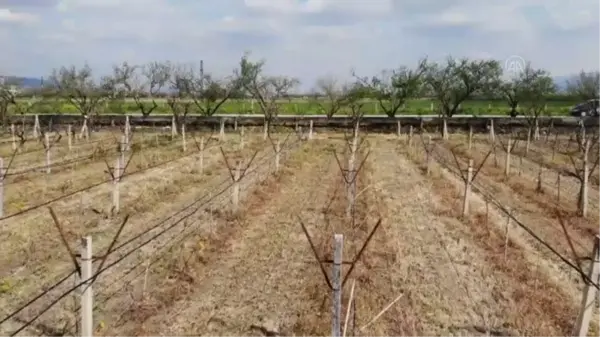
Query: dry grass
{"type": "Point", "coordinates": [217, 272]}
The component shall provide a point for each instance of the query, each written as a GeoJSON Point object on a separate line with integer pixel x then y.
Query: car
{"type": "Point", "coordinates": [585, 109]}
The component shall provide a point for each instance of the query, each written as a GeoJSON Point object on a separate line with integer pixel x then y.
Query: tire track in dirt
{"type": "Point", "coordinates": [256, 269]}
{"type": "Point", "coordinates": [533, 300]}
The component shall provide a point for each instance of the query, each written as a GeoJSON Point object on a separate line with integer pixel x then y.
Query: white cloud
{"type": "Point", "coordinates": [303, 38]}
{"type": "Point", "coordinates": [6, 15]}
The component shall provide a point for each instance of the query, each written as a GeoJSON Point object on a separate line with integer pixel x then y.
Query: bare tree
{"type": "Point", "coordinates": [206, 92]}
{"type": "Point", "coordinates": [178, 99]}
{"type": "Point", "coordinates": [585, 86]}
{"type": "Point", "coordinates": [329, 96]}
{"type": "Point", "coordinates": [394, 87]}
{"type": "Point", "coordinates": [141, 83]}
{"type": "Point", "coordinates": [78, 88]}
{"type": "Point", "coordinates": [267, 90]}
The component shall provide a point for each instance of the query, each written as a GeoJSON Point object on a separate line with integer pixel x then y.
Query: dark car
{"type": "Point", "coordinates": [588, 108]}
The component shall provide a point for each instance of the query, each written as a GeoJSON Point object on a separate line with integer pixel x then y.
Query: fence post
{"type": "Point", "coordinates": [492, 133]}
{"type": "Point", "coordinates": [586, 173]}
{"type": "Point", "coordinates": [48, 160]}
{"type": "Point", "coordinates": [410, 135]}
{"type": "Point", "coordinates": [127, 133]}
{"type": "Point", "coordinates": [336, 281]}
{"type": "Point", "coordinates": [235, 124]}
{"type": "Point", "coordinates": [310, 130]}
{"type": "Point", "coordinates": [1, 187]}
{"type": "Point", "coordinates": [202, 155]}
{"type": "Point", "coordinates": [87, 304]}
{"type": "Point", "coordinates": [467, 196]}
{"type": "Point", "coordinates": [173, 128]}
{"type": "Point", "coordinates": [589, 294]}
{"type": "Point", "coordinates": [398, 129]}
{"type": "Point", "coordinates": [528, 143]}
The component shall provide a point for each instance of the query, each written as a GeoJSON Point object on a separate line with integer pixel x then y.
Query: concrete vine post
{"type": "Point", "coordinates": [173, 128]}
{"type": "Point", "coordinates": [222, 130]}
{"type": "Point", "coordinates": [589, 294]}
{"type": "Point", "coordinates": [536, 132]}
{"type": "Point", "coordinates": [235, 194]}
{"type": "Point", "coordinates": [351, 186]}
{"type": "Point", "coordinates": [336, 282]}
{"type": "Point", "coordinates": [87, 297]}
{"type": "Point", "coordinates": [310, 130]}
{"type": "Point", "coordinates": [410, 136]}
{"type": "Point", "coordinates": [492, 132]}
{"type": "Point", "coordinates": [398, 129]}
{"type": "Point", "coordinates": [235, 124]}
{"type": "Point", "coordinates": [507, 162]}
{"type": "Point", "coordinates": [467, 196]}
{"type": "Point", "coordinates": [470, 137]}
{"type": "Point", "coordinates": [127, 133]}
{"type": "Point", "coordinates": [36, 127]}
{"type": "Point", "coordinates": [48, 159]}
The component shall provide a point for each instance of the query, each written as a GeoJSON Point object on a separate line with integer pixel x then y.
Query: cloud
{"type": "Point", "coordinates": [303, 38]}
{"type": "Point", "coordinates": [10, 16]}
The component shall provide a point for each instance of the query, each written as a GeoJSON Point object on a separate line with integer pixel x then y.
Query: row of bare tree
{"type": "Point", "coordinates": [191, 89]}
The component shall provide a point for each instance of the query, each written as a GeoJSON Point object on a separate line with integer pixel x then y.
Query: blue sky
{"type": "Point", "coordinates": [302, 38]}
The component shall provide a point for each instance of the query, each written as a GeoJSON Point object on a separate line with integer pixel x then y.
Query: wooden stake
{"type": "Point", "coordinates": [336, 281]}
{"type": "Point", "coordinates": [589, 294]}
{"type": "Point", "coordinates": [87, 299]}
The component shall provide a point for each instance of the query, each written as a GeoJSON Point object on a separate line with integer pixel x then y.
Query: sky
{"type": "Point", "coordinates": [306, 39]}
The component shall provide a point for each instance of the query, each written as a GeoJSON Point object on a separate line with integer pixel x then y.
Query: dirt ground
{"type": "Point", "coordinates": [206, 269]}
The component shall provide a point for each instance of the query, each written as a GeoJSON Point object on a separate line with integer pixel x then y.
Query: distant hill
{"type": "Point", "coordinates": [22, 82]}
